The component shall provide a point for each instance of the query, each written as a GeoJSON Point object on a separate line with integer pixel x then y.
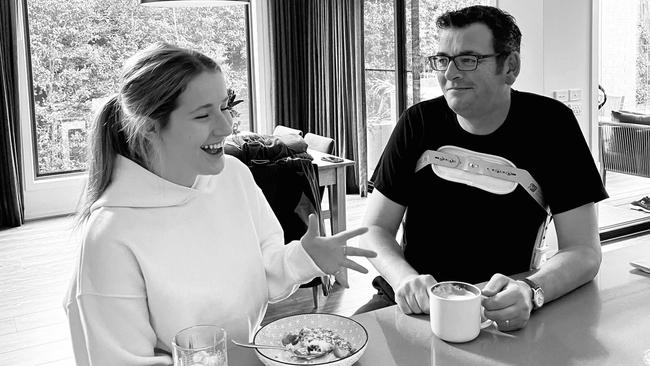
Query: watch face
{"type": "Point", "coordinates": [538, 298]}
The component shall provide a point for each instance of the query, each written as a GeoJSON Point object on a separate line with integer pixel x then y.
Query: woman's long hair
{"type": "Point", "coordinates": [151, 83]}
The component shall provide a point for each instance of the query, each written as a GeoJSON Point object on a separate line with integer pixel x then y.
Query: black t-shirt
{"type": "Point", "coordinates": [457, 232]}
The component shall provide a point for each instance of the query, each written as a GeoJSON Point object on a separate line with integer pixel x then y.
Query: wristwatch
{"type": "Point", "coordinates": [537, 293]}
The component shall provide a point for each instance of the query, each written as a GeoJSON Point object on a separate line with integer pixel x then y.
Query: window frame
{"type": "Point", "coordinates": [55, 194]}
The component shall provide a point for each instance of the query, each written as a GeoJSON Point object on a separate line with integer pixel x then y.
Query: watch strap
{"type": "Point", "coordinates": [529, 282]}
{"type": "Point", "coordinates": [534, 289]}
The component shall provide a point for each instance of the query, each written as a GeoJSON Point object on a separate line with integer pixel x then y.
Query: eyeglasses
{"type": "Point", "coordinates": [462, 62]}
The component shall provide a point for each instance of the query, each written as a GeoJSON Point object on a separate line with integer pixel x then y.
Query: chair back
{"type": "Point", "coordinates": [319, 143]}
{"type": "Point", "coordinates": [613, 103]}
{"type": "Point", "coordinates": [284, 130]}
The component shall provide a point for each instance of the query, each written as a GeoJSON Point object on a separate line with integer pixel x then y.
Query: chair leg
{"type": "Point", "coordinates": [314, 293]}
{"type": "Point", "coordinates": [321, 228]}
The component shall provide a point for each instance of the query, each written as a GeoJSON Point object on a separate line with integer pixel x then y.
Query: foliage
{"type": "Point", "coordinates": [78, 47]}
{"type": "Point", "coordinates": [232, 102]}
{"type": "Point", "coordinates": [643, 62]}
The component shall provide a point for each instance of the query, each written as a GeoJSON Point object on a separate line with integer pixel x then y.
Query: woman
{"type": "Point", "coordinates": [176, 232]}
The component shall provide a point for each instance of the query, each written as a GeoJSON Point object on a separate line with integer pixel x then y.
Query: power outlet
{"type": "Point", "coordinates": [576, 108]}
{"type": "Point", "coordinates": [561, 95]}
{"type": "Point", "coordinates": [575, 94]}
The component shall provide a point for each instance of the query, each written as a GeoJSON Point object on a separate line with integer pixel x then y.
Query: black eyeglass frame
{"type": "Point", "coordinates": [453, 59]}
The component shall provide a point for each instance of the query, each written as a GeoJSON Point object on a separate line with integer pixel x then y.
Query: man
{"type": "Point", "coordinates": [477, 229]}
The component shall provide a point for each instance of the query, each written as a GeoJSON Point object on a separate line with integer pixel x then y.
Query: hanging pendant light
{"type": "Point", "coordinates": [191, 3]}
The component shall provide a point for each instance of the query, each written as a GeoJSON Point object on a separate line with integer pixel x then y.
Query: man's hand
{"type": "Point", "coordinates": [507, 302]}
{"type": "Point", "coordinates": [412, 296]}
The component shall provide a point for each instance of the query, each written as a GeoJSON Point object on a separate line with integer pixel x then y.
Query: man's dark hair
{"type": "Point", "coordinates": [505, 32]}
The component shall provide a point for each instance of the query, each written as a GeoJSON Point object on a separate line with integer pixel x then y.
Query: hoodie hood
{"type": "Point", "coordinates": [134, 186]}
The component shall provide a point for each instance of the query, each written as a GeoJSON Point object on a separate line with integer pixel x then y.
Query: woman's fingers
{"type": "Point", "coordinates": [358, 252]}
{"type": "Point", "coordinates": [349, 234]}
{"type": "Point", "coordinates": [312, 227]}
{"type": "Point", "coordinates": [349, 263]}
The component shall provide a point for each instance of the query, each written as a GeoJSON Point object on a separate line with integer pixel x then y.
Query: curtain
{"type": "Point", "coordinates": [318, 66]}
{"type": "Point", "coordinates": [11, 192]}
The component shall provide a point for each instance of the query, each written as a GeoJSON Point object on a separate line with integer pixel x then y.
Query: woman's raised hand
{"type": "Point", "coordinates": [330, 253]}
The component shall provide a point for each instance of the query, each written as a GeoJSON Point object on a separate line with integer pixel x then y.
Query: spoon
{"type": "Point", "coordinates": [294, 353]}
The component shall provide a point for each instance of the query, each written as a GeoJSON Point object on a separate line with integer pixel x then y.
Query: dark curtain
{"type": "Point", "coordinates": [317, 58]}
{"type": "Point", "coordinates": [11, 192]}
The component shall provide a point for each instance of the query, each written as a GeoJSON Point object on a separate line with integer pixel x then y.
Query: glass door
{"type": "Point", "coordinates": [398, 35]}
{"type": "Point", "coordinates": [624, 114]}
{"type": "Point", "coordinates": [380, 69]}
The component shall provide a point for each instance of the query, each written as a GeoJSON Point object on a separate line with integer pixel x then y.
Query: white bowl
{"type": "Point", "coordinates": [273, 332]}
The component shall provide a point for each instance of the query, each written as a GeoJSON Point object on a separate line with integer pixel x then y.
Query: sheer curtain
{"type": "Point", "coordinates": [317, 57]}
{"type": "Point", "coordinates": [11, 192]}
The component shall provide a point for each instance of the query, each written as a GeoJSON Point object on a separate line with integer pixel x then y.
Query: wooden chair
{"type": "Point", "coordinates": [325, 145]}
{"type": "Point", "coordinates": [319, 143]}
{"type": "Point", "coordinates": [613, 103]}
{"type": "Point", "coordinates": [284, 130]}
{"type": "Point", "coordinates": [624, 144]}
{"type": "Point", "coordinates": [289, 184]}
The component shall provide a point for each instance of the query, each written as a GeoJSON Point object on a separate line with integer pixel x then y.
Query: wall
{"type": "Point", "coordinates": [530, 22]}
{"type": "Point", "coordinates": [557, 50]}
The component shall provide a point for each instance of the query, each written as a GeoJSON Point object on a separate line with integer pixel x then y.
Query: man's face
{"type": "Point", "coordinates": [474, 93]}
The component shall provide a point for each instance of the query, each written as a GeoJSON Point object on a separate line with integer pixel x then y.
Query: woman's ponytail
{"type": "Point", "coordinates": [106, 140]}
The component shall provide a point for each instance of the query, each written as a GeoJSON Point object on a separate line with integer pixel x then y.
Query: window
{"type": "Point", "coordinates": [624, 75]}
{"type": "Point", "coordinates": [78, 46]}
{"type": "Point", "coordinates": [396, 70]}
{"type": "Point", "coordinates": [625, 54]}
{"type": "Point", "coordinates": [422, 41]}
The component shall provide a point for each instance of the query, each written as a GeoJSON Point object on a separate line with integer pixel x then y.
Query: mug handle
{"type": "Point", "coordinates": [486, 323]}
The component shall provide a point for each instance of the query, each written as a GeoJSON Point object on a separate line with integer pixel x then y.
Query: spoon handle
{"type": "Point", "coordinates": [264, 346]}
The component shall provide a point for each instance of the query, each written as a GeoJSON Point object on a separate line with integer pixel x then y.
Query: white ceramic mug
{"type": "Point", "coordinates": [456, 315]}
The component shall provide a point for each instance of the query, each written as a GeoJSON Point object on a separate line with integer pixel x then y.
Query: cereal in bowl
{"type": "Point", "coordinates": [317, 341]}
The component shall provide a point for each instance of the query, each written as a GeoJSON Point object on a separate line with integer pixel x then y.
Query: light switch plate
{"type": "Point", "coordinates": [575, 95]}
{"type": "Point", "coordinates": [561, 95]}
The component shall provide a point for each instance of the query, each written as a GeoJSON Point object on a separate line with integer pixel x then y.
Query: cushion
{"type": "Point", "coordinates": [631, 117]}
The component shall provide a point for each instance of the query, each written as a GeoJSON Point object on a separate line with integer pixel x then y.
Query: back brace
{"type": "Point", "coordinates": [493, 174]}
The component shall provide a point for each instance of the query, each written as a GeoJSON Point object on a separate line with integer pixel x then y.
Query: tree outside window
{"type": "Point", "coordinates": [77, 49]}
{"type": "Point", "coordinates": [625, 54]}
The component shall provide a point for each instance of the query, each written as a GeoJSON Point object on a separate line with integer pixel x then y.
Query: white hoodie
{"type": "Point", "coordinates": [158, 257]}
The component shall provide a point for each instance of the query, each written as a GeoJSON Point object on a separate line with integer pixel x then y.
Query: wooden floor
{"type": "Point", "coordinates": [36, 262]}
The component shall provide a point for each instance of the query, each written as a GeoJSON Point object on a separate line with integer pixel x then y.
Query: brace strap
{"type": "Point", "coordinates": [481, 167]}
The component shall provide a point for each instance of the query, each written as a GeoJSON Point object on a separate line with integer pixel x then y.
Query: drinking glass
{"type": "Point", "coordinates": [203, 345]}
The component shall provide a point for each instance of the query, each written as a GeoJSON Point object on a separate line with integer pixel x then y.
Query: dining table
{"type": "Point", "coordinates": [604, 322]}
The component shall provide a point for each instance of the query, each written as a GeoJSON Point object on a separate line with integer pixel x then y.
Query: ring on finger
{"type": "Point", "coordinates": [507, 323]}
{"type": "Point", "coordinates": [345, 250]}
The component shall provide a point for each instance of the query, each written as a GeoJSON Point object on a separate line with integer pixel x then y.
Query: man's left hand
{"type": "Point", "coordinates": [507, 302]}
